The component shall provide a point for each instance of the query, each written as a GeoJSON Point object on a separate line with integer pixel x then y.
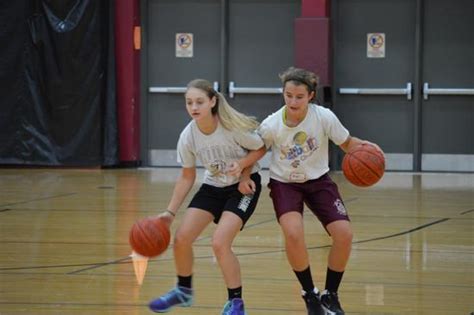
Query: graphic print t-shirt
{"type": "Point", "coordinates": [216, 151]}
{"type": "Point", "coordinates": [301, 153]}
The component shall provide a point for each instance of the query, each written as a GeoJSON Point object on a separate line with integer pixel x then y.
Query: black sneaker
{"type": "Point", "coordinates": [313, 305]}
{"type": "Point", "coordinates": [330, 302]}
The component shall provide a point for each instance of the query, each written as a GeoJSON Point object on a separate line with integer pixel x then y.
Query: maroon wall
{"type": "Point", "coordinates": [312, 39]}
{"type": "Point", "coordinates": [127, 17]}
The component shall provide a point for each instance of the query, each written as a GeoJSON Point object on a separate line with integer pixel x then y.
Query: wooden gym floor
{"type": "Point", "coordinates": [64, 246]}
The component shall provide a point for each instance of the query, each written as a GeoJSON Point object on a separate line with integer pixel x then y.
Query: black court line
{"type": "Point", "coordinates": [114, 262]}
{"type": "Point", "coordinates": [350, 199]}
{"type": "Point", "coordinates": [403, 233]}
{"type": "Point", "coordinates": [128, 258]}
{"type": "Point", "coordinates": [266, 221]}
{"type": "Point", "coordinates": [128, 305]}
{"type": "Point", "coordinates": [43, 267]}
{"type": "Point", "coordinates": [246, 227]}
{"type": "Point", "coordinates": [105, 187]}
{"type": "Point", "coordinates": [467, 211]}
{"type": "Point", "coordinates": [124, 211]}
{"type": "Point", "coordinates": [357, 242]}
{"type": "Point", "coordinates": [36, 199]}
{"type": "Point", "coordinates": [260, 223]}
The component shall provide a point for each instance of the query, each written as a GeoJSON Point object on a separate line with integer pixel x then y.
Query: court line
{"type": "Point", "coordinates": [246, 227]}
{"type": "Point", "coordinates": [403, 233]}
{"type": "Point", "coordinates": [356, 242]}
{"type": "Point", "coordinates": [113, 262]}
{"type": "Point", "coordinates": [124, 305]}
{"type": "Point", "coordinates": [128, 258]}
{"type": "Point", "coordinates": [263, 222]}
{"type": "Point", "coordinates": [37, 199]}
{"type": "Point", "coordinates": [352, 215]}
{"type": "Point", "coordinates": [467, 211]}
{"type": "Point", "coordinates": [197, 240]}
{"type": "Point", "coordinates": [117, 261]}
{"type": "Point", "coordinates": [250, 278]}
{"type": "Point", "coordinates": [123, 259]}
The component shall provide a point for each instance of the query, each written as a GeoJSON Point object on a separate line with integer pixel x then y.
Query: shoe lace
{"type": "Point", "coordinates": [227, 307]}
{"type": "Point", "coordinates": [174, 293]}
{"type": "Point", "coordinates": [333, 299]}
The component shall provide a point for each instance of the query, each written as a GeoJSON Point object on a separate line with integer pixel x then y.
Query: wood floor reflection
{"type": "Point", "coordinates": [64, 246]}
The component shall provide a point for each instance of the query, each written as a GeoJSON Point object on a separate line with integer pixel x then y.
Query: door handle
{"type": "Point", "coordinates": [382, 91]}
{"type": "Point", "coordinates": [427, 91]}
{"type": "Point", "coordinates": [175, 89]}
{"type": "Point", "coordinates": [252, 90]}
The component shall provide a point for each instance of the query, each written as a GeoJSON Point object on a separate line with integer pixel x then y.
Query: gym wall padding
{"type": "Point", "coordinates": [57, 83]}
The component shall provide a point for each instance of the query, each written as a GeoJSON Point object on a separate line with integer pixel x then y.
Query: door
{"type": "Point", "coordinates": [447, 126]}
{"type": "Point", "coordinates": [166, 113]}
{"type": "Point", "coordinates": [364, 83]}
{"type": "Point", "coordinates": [240, 45]}
{"type": "Point", "coordinates": [381, 94]}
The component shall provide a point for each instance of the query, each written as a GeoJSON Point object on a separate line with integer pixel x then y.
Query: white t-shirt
{"type": "Point", "coordinates": [216, 151]}
{"type": "Point", "coordinates": [301, 153]}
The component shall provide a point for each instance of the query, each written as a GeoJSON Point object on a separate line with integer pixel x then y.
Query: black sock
{"type": "Point", "coordinates": [333, 279]}
{"type": "Point", "coordinates": [185, 281]}
{"type": "Point", "coordinates": [305, 279]}
{"type": "Point", "coordinates": [234, 293]}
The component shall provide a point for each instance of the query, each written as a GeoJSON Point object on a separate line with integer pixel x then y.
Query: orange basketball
{"type": "Point", "coordinates": [364, 166]}
{"type": "Point", "coordinates": [149, 237]}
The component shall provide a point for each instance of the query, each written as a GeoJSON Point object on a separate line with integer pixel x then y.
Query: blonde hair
{"type": "Point", "coordinates": [230, 118]}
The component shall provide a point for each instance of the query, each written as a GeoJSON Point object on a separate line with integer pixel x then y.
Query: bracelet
{"type": "Point", "coordinates": [170, 212]}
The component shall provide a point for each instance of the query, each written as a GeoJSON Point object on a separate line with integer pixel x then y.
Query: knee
{"type": "Point", "coordinates": [181, 240]}
{"type": "Point", "coordinates": [343, 237]}
{"type": "Point", "coordinates": [219, 247]}
{"type": "Point", "coordinates": [293, 236]}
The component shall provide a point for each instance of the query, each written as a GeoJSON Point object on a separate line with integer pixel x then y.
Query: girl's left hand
{"type": "Point", "coordinates": [247, 186]}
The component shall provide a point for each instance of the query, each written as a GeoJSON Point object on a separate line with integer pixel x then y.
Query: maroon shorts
{"type": "Point", "coordinates": [320, 195]}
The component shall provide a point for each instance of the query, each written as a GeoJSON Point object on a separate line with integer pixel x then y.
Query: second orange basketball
{"type": "Point", "coordinates": [149, 237]}
{"type": "Point", "coordinates": [363, 166]}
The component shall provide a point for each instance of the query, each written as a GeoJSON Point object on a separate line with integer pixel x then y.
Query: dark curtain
{"type": "Point", "coordinates": [58, 83]}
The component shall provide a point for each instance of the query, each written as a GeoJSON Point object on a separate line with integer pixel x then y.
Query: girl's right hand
{"type": "Point", "coordinates": [247, 186]}
{"type": "Point", "coordinates": [166, 217]}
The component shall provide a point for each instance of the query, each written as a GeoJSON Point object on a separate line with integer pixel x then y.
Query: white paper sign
{"type": "Point", "coordinates": [376, 45]}
{"type": "Point", "coordinates": [184, 45]}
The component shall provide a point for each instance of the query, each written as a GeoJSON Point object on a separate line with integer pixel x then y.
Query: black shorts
{"type": "Point", "coordinates": [219, 199]}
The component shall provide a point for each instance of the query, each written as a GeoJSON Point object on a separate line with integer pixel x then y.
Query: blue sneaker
{"type": "Point", "coordinates": [178, 296]}
{"type": "Point", "coordinates": [234, 307]}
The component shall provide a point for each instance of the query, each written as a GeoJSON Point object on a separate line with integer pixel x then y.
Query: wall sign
{"type": "Point", "coordinates": [376, 45]}
{"type": "Point", "coordinates": [184, 45]}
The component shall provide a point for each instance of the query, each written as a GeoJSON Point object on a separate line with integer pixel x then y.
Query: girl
{"type": "Point", "coordinates": [217, 136]}
{"type": "Point", "coordinates": [298, 134]}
